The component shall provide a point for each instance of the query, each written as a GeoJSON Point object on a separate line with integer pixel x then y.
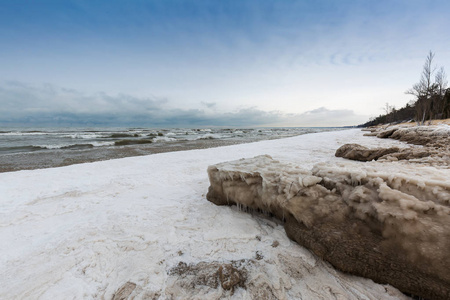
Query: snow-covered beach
{"type": "Point", "coordinates": [86, 231]}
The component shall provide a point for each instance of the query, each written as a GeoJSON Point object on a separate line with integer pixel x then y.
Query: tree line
{"type": "Point", "coordinates": [431, 98]}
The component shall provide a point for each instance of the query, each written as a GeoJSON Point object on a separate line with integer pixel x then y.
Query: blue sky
{"type": "Point", "coordinates": [213, 63]}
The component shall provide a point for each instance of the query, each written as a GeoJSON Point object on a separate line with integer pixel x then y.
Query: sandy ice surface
{"type": "Point", "coordinates": [83, 231]}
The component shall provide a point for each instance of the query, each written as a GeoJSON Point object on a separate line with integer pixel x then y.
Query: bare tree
{"type": "Point", "coordinates": [424, 90]}
{"type": "Point", "coordinates": [440, 85]}
{"type": "Point", "coordinates": [427, 74]}
{"type": "Point", "coordinates": [441, 81]}
{"type": "Point", "coordinates": [386, 108]}
{"type": "Point", "coordinates": [389, 111]}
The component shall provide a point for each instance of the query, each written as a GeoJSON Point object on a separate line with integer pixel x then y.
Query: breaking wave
{"type": "Point", "coordinates": [34, 148]}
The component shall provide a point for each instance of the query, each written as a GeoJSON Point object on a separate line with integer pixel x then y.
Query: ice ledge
{"type": "Point", "coordinates": [361, 218]}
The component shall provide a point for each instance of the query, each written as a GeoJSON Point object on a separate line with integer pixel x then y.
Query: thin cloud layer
{"type": "Point", "coordinates": [49, 105]}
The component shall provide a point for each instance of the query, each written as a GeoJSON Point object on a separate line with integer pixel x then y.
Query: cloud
{"type": "Point", "coordinates": [320, 110]}
{"type": "Point", "coordinates": [48, 105]}
{"type": "Point", "coordinates": [210, 105]}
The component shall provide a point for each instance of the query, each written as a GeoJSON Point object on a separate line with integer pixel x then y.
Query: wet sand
{"type": "Point", "coordinates": [59, 158]}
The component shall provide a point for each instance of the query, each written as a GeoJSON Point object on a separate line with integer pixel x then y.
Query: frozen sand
{"type": "Point", "coordinates": [85, 230]}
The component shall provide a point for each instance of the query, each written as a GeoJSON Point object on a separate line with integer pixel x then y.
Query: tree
{"type": "Point", "coordinates": [441, 81]}
{"type": "Point", "coordinates": [432, 98]}
{"type": "Point", "coordinates": [429, 95]}
{"type": "Point", "coordinates": [446, 106]}
{"type": "Point", "coordinates": [441, 88]}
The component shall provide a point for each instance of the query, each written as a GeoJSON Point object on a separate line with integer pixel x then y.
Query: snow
{"type": "Point", "coordinates": [83, 231]}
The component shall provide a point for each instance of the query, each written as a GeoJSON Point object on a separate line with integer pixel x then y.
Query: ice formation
{"type": "Point", "coordinates": [361, 153]}
{"type": "Point", "coordinates": [386, 221]}
{"type": "Point", "coordinates": [434, 141]}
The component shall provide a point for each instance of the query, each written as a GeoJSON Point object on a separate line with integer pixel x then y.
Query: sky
{"type": "Point", "coordinates": [175, 63]}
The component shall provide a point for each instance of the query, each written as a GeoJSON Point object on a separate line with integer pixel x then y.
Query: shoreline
{"type": "Point", "coordinates": [60, 158]}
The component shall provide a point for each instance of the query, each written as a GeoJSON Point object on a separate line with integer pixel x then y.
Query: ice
{"type": "Point", "coordinates": [434, 139]}
{"type": "Point", "coordinates": [94, 230]}
{"type": "Point", "coordinates": [388, 221]}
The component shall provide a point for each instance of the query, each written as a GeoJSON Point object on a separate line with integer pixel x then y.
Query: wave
{"type": "Point", "coordinates": [209, 136]}
{"type": "Point", "coordinates": [123, 135]}
{"type": "Point", "coordinates": [19, 149]}
{"type": "Point", "coordinates": [164, 139]}
{"type": "Point", "coordinates": [76, 146]}
{"type": "Point", "coordinates": [132, 142]}
{"type": "Point", "coordinates": [34, 148]}
{"type": "Point", "coordinates": [26, 133]}
{"type": "Point", "coordinates": [84, 146]}
{"type": "Point", "coordinates": [90, 135]}
{"type": "Point", "coordinates": [103, 135]}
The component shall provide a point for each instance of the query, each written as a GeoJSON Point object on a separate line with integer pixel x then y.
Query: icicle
{"type": "Point", "coordinates": [242, 177]}
{"type": "Point", "coordinates": [290, 188]}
